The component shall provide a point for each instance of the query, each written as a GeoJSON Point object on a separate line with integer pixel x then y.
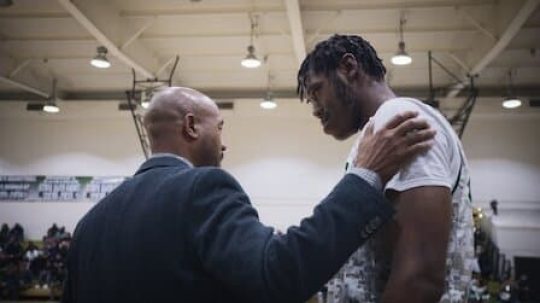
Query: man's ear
{"type": "Point", "coordinates": [190, 126]}
{"type": "Point", "coordinates": [348, 67]}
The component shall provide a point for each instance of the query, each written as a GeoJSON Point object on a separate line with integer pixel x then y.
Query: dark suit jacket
{"type": "Point", "coordinates": [179, 234]}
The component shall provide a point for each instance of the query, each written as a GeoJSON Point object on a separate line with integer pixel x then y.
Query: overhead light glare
{"type": "Point", "coordinates": [251, 61]}
{"type": "Point", "coordinates": [100, 60]}
{"type": "Point", "coordinates": [511, 103]}
{"type": "Point", "coordinates": [51, 108]}
{"type": "Point", "coordinates": [401, 57]}
{"type": "Point", "coordinates": [268, 104]}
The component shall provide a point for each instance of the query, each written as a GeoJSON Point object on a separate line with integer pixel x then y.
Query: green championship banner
{"type": "Point", "coordinates": [56, 188]}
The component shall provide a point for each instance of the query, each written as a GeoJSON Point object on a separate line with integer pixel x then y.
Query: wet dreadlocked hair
{"type": "Point", "coordinates": [327, 55]}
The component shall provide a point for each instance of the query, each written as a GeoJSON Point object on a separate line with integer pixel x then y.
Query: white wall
{"type": "Point", "coordinates": [281, 158]}
{"type": "Point", "coordinates": [504, 154]}
{"type": "Point", "coordinates": [88, 139]}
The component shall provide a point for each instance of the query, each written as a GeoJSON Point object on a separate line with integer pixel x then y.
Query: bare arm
{"type": "Point", "coordinates": [423, 228]}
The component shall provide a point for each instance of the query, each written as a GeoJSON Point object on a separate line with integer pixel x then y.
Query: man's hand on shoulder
{"type": "Point", "coordinates": [400, 140]}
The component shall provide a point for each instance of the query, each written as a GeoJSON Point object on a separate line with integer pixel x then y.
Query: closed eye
{"type": "Point", "coordinates": [313, 96]}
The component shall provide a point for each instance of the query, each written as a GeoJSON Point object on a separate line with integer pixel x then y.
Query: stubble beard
{"type": "Point", "coordinates": [347, 96]}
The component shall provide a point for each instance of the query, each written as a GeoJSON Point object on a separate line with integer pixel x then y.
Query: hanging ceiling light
{"type": "Point", "coordinates": [145, 104]}
{"type": "Point", "coordinates": [401, 57]}
{"type": "Point", "coordinates": [51, 107]}
{"type": "Point", "coordinates": [100, 60]}
{"type": "Point", "coordinates": [511, 101]}
{"type": "Point", "coordinates": [268, 104]}
{"type": "Point", "coordinates": [268, 101]}
{"type": "Point", "coordinates": [146, 97]}
{"type": "Point", "coordinates": [251, 60]}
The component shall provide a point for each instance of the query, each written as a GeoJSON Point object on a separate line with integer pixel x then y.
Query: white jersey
{"type": "Point", "coordinates": [363, 277]}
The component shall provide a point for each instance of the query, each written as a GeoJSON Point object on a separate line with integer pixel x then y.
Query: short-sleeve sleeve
{"type": "Point", "coordinates": [433, 168]}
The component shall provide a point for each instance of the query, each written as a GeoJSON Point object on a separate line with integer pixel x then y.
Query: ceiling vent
{"type": "Point", "coordinates": [534, 103]}
{"type": "Point", "coordinates": [225, 105]}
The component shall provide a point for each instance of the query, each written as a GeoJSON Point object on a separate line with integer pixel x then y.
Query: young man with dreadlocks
{"type": "Point", "coordinates": [424, 255]}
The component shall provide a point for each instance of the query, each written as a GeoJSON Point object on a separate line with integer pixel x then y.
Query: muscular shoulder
{"type": "Point", "coordinates": [438, 166]}
{"type": "Point", "coordinates": [395, 106]}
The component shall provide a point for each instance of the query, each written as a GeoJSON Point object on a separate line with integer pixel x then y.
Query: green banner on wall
{"type": "Point", "coordinates": [56, 188]}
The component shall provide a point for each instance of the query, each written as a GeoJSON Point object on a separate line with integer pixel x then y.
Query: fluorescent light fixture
{"type": "Point", "coordinates": [401, 57]}
{"type": "Point", "coordinates": [511, 103]}
{"type": "Point", "coordinates": [51, 108]}
{"type": "Point", "coordinates": [251, 61]}
{"type": "Point", "coordinates": [100, 60]}
{"type": "Point", "coordinates": [145, 104]}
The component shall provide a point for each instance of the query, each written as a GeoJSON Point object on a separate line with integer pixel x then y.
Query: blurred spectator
{"type": "Point", "coordinates": [4, 234]}
{"type": "Point", "coordinates": [13, 248]}
{"type": "Point", "coordinates": [524, 293]}
{"type": "Point", "coordinates": [507, 293]}
{"type": "Point", "coordinates": [494, 207]}
{"type": "Point", "coordinates": [17, 232]}
{"type": "Point", "coordinates": [22, 268]}
{"type": "Point", "coordinates": [32, 252]}
{"type": "Point", "coordinates": [51, 232]}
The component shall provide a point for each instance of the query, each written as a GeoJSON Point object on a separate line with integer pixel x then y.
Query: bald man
{"type": "Point", "coordinates": [183, 230]}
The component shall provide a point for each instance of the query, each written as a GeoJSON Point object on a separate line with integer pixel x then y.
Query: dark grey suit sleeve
{"type": "Point", "coordinates": [259, 266]}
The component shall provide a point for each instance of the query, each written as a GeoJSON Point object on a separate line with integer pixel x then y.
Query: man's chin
{"type": "Point", "coordinates": [336, 134]}
{"type": "Point", "coordinates": [341, 136]}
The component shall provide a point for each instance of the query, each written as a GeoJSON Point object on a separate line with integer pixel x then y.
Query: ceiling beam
{"type": "Point", "coordinates": [113, 24]}
{"type": "Point", "coordinates": [138, 33]}
{"type": "Point", "coordinates": [19, 68]}
{"type": "Point", "coordinates": [324, 30]}
{"type": "Point", "coordinates": [165, 65]}
{"type": "Point", "coordinates": [479, 26]}
{"type": "Point", "coordinates": [458, 61]}
{"type": "Point", "coordinates": [512, 29]}
{"type": "Point", "coordinates": [297, 30]}
{"type": "Point", "coordinates": [309, 6]}
{"type": "Point", "coordinates": [10, 67]}
{"type": "Point", "coordinates": [328, 23]}
{"type": "Point", "coordinates": [323, 5]}
{"type": "Point", "coordinates": [216, 7]}
{"type": "Point", "coordinates": [25, 87]}
{"type": "Point", "coordinates": [420, 92]}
